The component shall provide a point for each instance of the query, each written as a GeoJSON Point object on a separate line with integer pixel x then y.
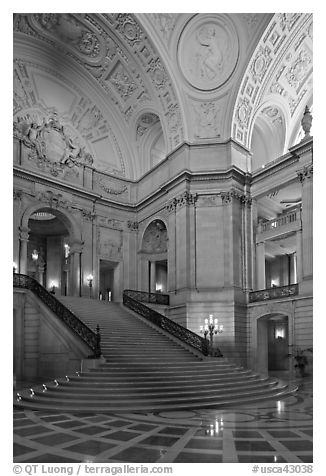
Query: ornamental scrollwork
{"type": "Point", "coordinates": [186, 198]}
{"type": "Point", "coordinates": [49, 146]}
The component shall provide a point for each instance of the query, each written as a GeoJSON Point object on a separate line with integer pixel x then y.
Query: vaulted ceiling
{"type": "Point", "coordinates": [131, 88]}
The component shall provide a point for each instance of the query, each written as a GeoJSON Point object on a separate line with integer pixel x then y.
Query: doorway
{"type": "Point", "coordinates": [109, 284]}
{"type": "Point", "coordinates": [272, 344]}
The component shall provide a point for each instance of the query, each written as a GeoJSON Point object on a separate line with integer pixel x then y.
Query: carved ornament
{"type": "Point", "coordinates": [208, 51]}
{"type": "Point", "coordinates": [186, 198]}
{"type": "Point", "coordinates": [111, 190]}
{"type": "Point", "coordinates": [305, 173]}
{"type": "Point", "coordinates": [207, 122]}
{"type": "Point", "coordinates": [50, 147]}
{"type": "Point", "coordinates": [133, 225]}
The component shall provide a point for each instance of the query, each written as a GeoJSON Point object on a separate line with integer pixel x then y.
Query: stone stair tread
{"type": "Point", "coordinates": [144, 369]}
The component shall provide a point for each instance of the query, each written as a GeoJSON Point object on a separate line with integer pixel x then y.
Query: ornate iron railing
{"type": "Point", "coordinates": [187, 336]}
{"type": "Point", "coordinates": [151, 298]}
{"type": "Point", "coordinates": [273, 293]}
{"type": "Point", "coordinates": [92, 339]}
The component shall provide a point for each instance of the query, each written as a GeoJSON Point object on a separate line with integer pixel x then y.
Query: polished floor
{"type": "Point", "coordinates": [269, 432]}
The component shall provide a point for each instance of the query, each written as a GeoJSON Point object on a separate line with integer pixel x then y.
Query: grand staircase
{"type": "Point", "coordinates": [142, 368]}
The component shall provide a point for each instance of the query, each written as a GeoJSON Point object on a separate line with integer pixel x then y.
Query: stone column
{"type": "Point", "coordinates": [260, 265]}
{"type": "Point", "coordinates": [153, 276]}
{"type": "Point", "coordinates": [305, 177]}
{"type": "Point", "coordinates": [75, 268]}
{"type": "Point", "coordinates": [299, 255]}
{"type": "Point", "coordinates": [23, 241]}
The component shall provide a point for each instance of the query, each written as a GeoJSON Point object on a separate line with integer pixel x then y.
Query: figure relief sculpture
{"type": "Point", "coordinates": [208, 51]}
{"type": "Point", "coordinates": [209, 56]}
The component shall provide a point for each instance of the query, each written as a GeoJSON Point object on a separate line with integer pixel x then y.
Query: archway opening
{"type": "Point", "coordinates": [154, 254]}
{"type": "Point", "coordinates": [48, 250]}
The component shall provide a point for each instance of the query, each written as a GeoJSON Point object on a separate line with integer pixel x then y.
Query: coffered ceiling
{"type": "Point", "coordinates": [130, 88]}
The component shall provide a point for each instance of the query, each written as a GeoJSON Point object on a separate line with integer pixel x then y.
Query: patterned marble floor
{"type": "Point", "coordinates": [270, 432]}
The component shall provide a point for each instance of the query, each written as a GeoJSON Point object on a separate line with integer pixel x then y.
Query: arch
{"type": "Point", "coordinates": [268, 133]}
{"type": "Point", "coordinates": [71, 225]}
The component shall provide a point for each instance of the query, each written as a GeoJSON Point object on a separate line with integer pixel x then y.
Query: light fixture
{"type": "Point", "coordinates": [32, 392]}
{"type": "Point", "coordinates": [56, 383]}
{"type": "Point", "coordinates": [90, 284]}
{"type": "Point", "coordinates": [67, 378]}
{"type": "Point", "coordinates": [211, 327]}
{"type": "Point", "coordinates": [67, 250]}
{"type": "Point", "coordinates": [44, 388]}
{"type": "Point", "coordinates": [35, 255]}
{"type": "Point", "coordinates": [52, 286]}
{"type": "Point", "coordinates": [15, 267]}
{"type": "Point", "coordinates": [18, 398]}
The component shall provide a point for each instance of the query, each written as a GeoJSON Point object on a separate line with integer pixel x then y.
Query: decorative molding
{"type": "Point", "coordinates": [88, 215]}
{"type": "Point", "coordinates": [207, 120]}
{"type": "Point", "coordinates": [229, 196]}
{"type": "Point", "coordinates": [54, 200]}
{"type": "Point", "coordinates": [185, 199]}
{"type": "Point", "coordinates": [111, 190]}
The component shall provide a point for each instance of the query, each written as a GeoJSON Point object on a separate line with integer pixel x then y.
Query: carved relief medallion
{"type": "Point", "coordinates": [208, 51]}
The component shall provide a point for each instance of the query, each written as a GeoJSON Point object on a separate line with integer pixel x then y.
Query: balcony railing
{"type": "Point", "coordinates": [150, 298]}
{"type": "Point", "coordinates": [282, 220]}
{"type": "Point", "coordinates": [273, 293]}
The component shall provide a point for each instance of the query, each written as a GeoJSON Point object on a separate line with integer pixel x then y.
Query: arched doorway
{"type": "Point", "coordinates": [273, 344]}
{"type": "Point", "coordinates": [154, 256]}
{"type": "Point", "coordinates": [48, 250]}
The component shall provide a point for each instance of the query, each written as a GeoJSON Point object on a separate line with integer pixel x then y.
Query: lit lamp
{"type": "Point", "coordinates": [15, 267]}
{"type": "Point", "coordinates": [90, 284]}
{"type": "Point", "coordinates": [35, 255]}
{"type": "Point", "coordinates": [52, 285]}
{"type": "Point", "coordinates": [211, 327]}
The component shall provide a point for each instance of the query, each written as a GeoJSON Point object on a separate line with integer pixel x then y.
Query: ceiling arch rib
{"type": "Point", "coordinates": [116, 52]}
{"type": "Point", "coordinates": [280, 68]}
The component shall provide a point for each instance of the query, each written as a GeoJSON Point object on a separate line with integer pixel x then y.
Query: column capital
{"type": "Point", "coordinates": [76, 247]}
{"type": "Point", "coordinates": [227, 197]}
{"type": "Point", "coordinates": [133, 225]}
{"type": "Point", "coordinates": [305, 173]}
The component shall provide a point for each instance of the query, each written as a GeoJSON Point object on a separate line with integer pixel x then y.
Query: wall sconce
{"type": "Point", "coordinates": [67, 250]}
{"type": "Point", "coordinates": [90, 284]}
{"type": "Point", "coordinates": [15, 267]}
{"type": "Point", "coordinates": [35, 255]}
{"type": "Point", "coordinates": [52, 285]}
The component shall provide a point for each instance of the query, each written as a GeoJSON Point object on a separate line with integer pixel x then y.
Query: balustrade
{"type": "Point", "coordinates": [91, 338]}
{"type": "Point", "coordinates": [273, 293]}
{"type": "Point", "coordinates": [280, 221]}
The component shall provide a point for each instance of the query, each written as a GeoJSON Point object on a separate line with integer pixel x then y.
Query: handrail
{"type": "Point", "coordinates": [273, 293]}
{"type": "Point", "coordinates": [151, 298]}
{"type": "Point", "coordinates": [90, 338]}
{"type": "Point", "coordinates": [182, 333]}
